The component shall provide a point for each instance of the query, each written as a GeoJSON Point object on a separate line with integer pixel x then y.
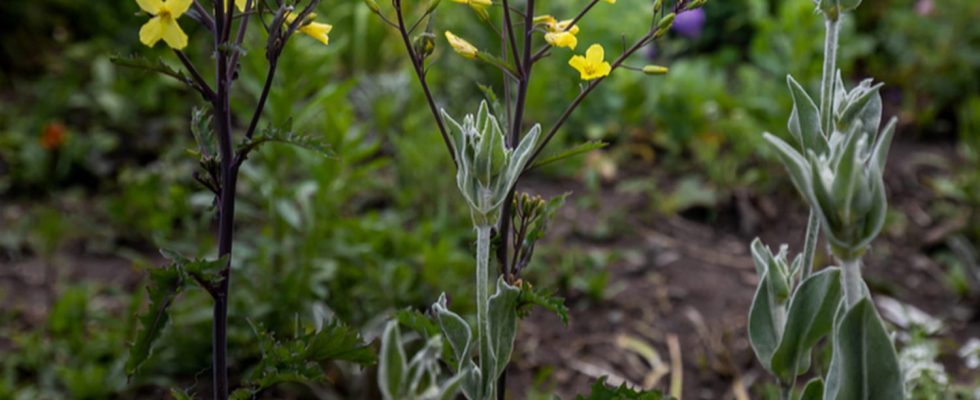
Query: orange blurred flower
{"type": "Point", "coordinates": [53, 136]}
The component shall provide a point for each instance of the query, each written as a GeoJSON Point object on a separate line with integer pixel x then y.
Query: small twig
{"type": "Point", "coordinates": [417, 64]}
{"type": "Point", "coordinates": [198, 81]}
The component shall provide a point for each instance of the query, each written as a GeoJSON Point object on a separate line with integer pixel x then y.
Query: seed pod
{"type": "Point", "coordinates": [655, 70]}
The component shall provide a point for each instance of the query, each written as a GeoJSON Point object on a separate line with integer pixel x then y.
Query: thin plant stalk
{"type": "Point", "coordinates": [482, 281]}
{"type": "Point", "coordinates": [852, 281]}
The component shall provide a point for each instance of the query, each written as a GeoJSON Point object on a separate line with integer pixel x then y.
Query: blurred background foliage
{"type": "Point", "coordinates": [94, 165]}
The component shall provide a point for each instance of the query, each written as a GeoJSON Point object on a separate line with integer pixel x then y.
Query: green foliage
{"type": "Point", "coordinates": [602, 391]}
{"type": "Point", "coordinates": [865, 365]}
{"type": "Point", "coordinates": [543, 298]}
{"type": "Point", "coordinates": [165, 284]}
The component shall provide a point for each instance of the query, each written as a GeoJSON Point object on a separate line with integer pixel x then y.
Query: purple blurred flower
{"type": "Point", "coordinates": [924, 7]}
{"type": "Point", "coordinates": [690, 23]}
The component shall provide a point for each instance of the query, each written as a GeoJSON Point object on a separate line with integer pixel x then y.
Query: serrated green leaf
{"type": "Point", "coordinates": [165, 284]}
{"type": "Point", "coordinates": [338, 343]}
{"type": "Point", "coordinates": [139, 62]}
{"type": "Point", "coordinates": [573, 151]}
{"type": "Point", "coordinates": [285, 135]}
{"type": "Point", "coordinates": [810, 318]}
{"type": "Point", "coordinates": [543, 298]}
{"type": "Point", "coordinates": [417, 321]}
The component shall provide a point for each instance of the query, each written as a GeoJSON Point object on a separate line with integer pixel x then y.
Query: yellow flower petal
{"type": "Point", "coordinates": [611, 1]}
{"type": "Point", "coordinates": [545, 20]}
{"type": "Point", "coordinates": [318, 31]}
{"type": "Point", "coordinates": [561, 39]}
{"type": "Point", "coordinates": [150, 6]}
{"type": "Point", "coordinates": [595, 54]}
{"type": "Point", "coordinates": [172, 34]}
{"type": "Point", "coordinates": [481, 3]}
{"type": "Point", "coordinates": [151, 32]}
{"type": "Point", "coordinates": [178, 7]}
{"type": "Point", "coordinates": [461, 46]}
{"type": "Point", "coordinates": [602, 69]}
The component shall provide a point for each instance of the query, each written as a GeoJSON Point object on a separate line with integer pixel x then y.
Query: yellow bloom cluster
{"type": "Point", "coordinates": [593, 65]}
{"type": "Point", "coordinates": [480, 6]}
{"type": "Point", "coordinates": [316, 30]}
{"type": "Point", "coordinates": [163, 25]}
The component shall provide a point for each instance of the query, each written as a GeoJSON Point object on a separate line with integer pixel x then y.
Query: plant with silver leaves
{"type": "Point", "coordinates": [487, 169]}
{"type": "Point", "coordinates": [836, 161]}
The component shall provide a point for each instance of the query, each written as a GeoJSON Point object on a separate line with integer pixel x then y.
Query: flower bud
{"type": "Point", "coordinates": [486, 168]}
{"type": "Point", "coordinates": [461, 46]}
{"type": "Point", "coordinates": [373, 5]}
{"type": "Point", "coordinates": [655, 70]}
{"type": "Point", "coordinates": [665, 23]}
{"type": "Point", "coordinates": [424, 44]}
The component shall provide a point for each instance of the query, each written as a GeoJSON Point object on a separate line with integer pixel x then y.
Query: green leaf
{"type": "Point", "coordinates": [601, 391]}
{"type": "Point", "coordinates": [879, 156]}
{"type": "Point", "coordinates": [846, 177]}
{"type": "Point", "coordinates": [804, 121]}
{"type": "Point", "coordinates": [797, 166]}
{"type": "Point", "coordinates": [242, 394]}
{"type": "Point", "coordinates": [456, 330]}
{"type": "Point", "coordinates": [417, 321]}
{"type": "Point", "coordinates": [180, 394]}
{"type": "Point", "coordinates": [810, 318]}
{"type": "Point", "coordinates": [763, 329]}
{"type": "Point", "coordinates": [165, 284]}
{"type": "Point", "coordinates": [449, 388]}
{"type": "Point", "coordinates": [337, 343]}
{"type": "Point", "coordinates": [285, 135]}
{"type": "Point", "coordinates": [158, 66]}
{"type": "Point", "coordinates": [573, 151]}
{"type": "Point", "coordinates": [867, 363]}
{"type": "Point", "coordinates": [813, 390]}
{"type": "Point", "coordinates": [543, 298]}
{"type": "Point", "coordinates": [502, 320]}
{"type": "Point", "coordinates": [391, 371]}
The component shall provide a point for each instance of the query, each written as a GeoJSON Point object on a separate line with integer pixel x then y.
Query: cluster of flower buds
{"type": "Point", "coordinates": [833, 8]}
{"type": "Point", "coordinates": [840, 173]}
{"type": "Point", "coordinates": [486, 168]}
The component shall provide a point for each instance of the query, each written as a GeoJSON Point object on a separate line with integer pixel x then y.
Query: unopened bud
{"type": "Point", "coordinates": [655, 70]}
{"type": "Point", "coordinates": [665, 23]}
{"type": "Point", "coordinates": [373, 5]}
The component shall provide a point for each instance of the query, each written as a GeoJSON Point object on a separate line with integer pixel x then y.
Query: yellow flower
{"type": "Point", "coordinates": [316, 30]}
{"type": "Point", "coordinates": [559, 34]}
{"type": "Point", "coordinates": [546, 20]}
{"type": "Point", "coordinates": [461, 46]}
{"type": "Point", "coordinates": [163, 25]}
{"type": "Point", "coordinates": [591, 66]}
{"type": "Point", "coordinates": [611, 1]}
{"type": "Point", "coordinates": [476, 4]}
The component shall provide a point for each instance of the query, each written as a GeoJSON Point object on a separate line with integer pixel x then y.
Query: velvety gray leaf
{"type": "Point", "coordinates": [763, 330]}
{"type": "Point", "coordinates": [503, 325]}
{"type": "Point", "coordinates": [391, 371]}
{"type": "Point", "coordinates": [869, 368]}
{"type": "Point", "coordinates": [805, 120]}
{"type": "Point", "coordinates": [810, 318]}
